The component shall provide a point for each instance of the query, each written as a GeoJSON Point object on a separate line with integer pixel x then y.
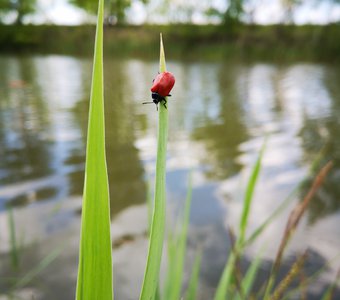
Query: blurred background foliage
{"type": "Point", "coordinates": [20, 8]}
{"type": "Point", "coordinates": [210, 29]}
{"type": "Point", "coordinates": [170, 11]}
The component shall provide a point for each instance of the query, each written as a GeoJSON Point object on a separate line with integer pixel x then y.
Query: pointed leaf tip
{"type": "Point", "coordinates": [162, 64]}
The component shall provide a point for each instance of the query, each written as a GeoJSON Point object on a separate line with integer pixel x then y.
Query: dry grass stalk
{"type": "Point", "coordinates": [293, 272]}
{"type": "Point", "coordinates": [303, 286]}
{"type": "Point", "coordinates": [297, 212]}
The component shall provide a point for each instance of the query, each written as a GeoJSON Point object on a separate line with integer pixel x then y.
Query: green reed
{"type": "Point", "coordinates": [95, 257]}
{"type": "Point", "coordinates": [157, 228]}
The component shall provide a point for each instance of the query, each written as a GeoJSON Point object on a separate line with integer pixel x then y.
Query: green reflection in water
{"type": "Point", "coordinates": [29, 120]}
{"type": "Point", "coordinates": [223, 135]}
{"type": "Point", "coordinates": [211, 108]}
{"type": "Point", "coordinates": [24, 123]}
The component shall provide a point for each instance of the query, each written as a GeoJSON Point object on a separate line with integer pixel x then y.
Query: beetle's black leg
{"type": "Point", "coordinates": [164, 103]}
{"type": "Point", "coordinates": [169, 95]}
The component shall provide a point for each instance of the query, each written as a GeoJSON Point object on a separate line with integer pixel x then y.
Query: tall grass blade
{"type": "Point", "coordinates": [150, 213]}
{"type": "Point", "coordinates": [250, 277]}
{"type": "Point", "coordinates": [180, 248]}
{"type": "Point", "coordinates": [249, 196]}
{"type": "Point", "coordinates": [14, 252]}
{"type": "Point", "coordinates": [225, 281]}
{"type": "Point", "coordinates": [328, 295]}
{"type": "Point", "coordinates": [194, 279]}
{"type": "Point", "coordinates": [170, 273]}
{"type": "Point", "coordinates": [257, 232]}
{"type": "Point", "coordinates": [28, 277]}
{"type": "Point", "coordinates": [237, 267]}
{"type": "Point", "coordinates": [151, 274]}
{"type": "Point", "coordinates": [95, 258]}
{"type": "Point", "coordinates": [158, 294]}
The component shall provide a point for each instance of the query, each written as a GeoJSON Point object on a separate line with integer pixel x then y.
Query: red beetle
{"type": "Point", "coordinates": [162, 85]}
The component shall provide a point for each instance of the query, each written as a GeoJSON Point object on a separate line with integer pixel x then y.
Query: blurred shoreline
{"type": "Point", "coordinates": [183, 41]}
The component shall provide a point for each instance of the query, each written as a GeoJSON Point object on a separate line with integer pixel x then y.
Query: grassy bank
{"type": "Point", "coordinates": [277, 42]}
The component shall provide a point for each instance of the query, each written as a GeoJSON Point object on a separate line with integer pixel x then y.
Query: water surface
{"type": "Point", "coordinates": [220, 114]}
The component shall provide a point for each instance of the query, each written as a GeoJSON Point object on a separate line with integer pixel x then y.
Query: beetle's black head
{"type": "Point", "coordinates": [156, 98]}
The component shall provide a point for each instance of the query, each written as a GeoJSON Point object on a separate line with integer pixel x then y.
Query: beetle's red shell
{"type": "Point", "coordinates": [163, 84]}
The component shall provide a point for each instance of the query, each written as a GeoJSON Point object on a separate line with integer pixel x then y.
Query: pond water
{"type": "Point", "coordinates": [220, 113]}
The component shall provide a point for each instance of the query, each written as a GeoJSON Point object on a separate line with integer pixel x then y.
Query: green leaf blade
{"type": "Point", "coordinates": [249, 196]}
{"type": "Point", "coordinates": [151, 275]}
{"type": "Point", "coordinates": [14, 251]}
{"type": "Point", "coordinates": [194, 279]}
{"type": "Point", "coordinates": [181, 243]}
{"type": "Point", "coordinates": [227, 275]}
{"type": "Point", "coordinates": [95, 257]}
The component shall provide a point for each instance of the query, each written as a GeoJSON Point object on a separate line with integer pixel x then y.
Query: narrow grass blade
{"type": "Point", "coordinates": [225, 281]}
{"type": "Point", "coordinates": [250, 277]}
{"type": "Point", "coordinates": [151, 274]}
{"type": "Point", "coordinates": [14, 252]}
{"type": "Point", "coordinates": [95, 258]}
{"type": "Point", "coordinates": [257, 232]}
{"type": "Point", "coordinates": [249, 196]}
{"type": "Point", "coordinates": [194, 279]}
{"type": "Point", "coordinates": [328, 295]}
{"type": "Point", "coordinates": [37, 269]}
{"type": "Point", "coordinates": [176, 283]}
{"type": "Point", "coordinates": [170, 274]}
{"type": "Point", "coordinates": [237, 266]}
{"type": "Point", "coordinates": [150, 213]}
{"type": "Point", "coordinates": [158, 294]}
